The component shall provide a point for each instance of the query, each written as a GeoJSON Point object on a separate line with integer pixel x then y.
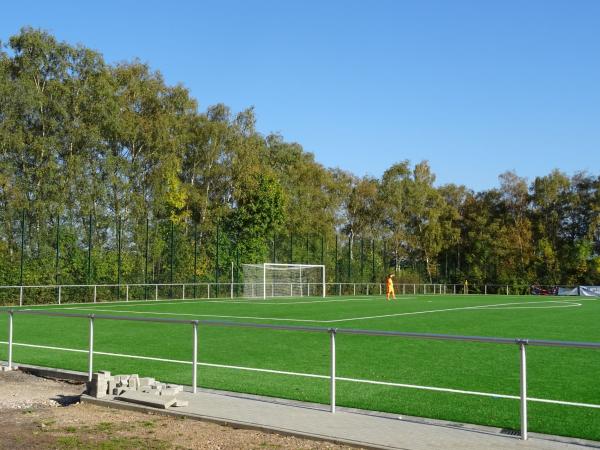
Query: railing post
{"type": "Point", "coordinates": [95, 293]}
{"type": "Point", "coordinates": [59, 294]}
{"type": "Point", "coordinates": [91, 349]}
{"type": "Point", "coordinates": [126, 292]}
{"type": "Point", "coordinates": [156, 292]}
{"type": "Point", "coordinates": [10, 338]}
{"type": "Point", "coordinates": [195, 358]}
{"type": "Point", "coordinates": [339, 289]}
{"type": "Point", "coordinates": [183, 291]}
{"type": "Point", "coordinates": [208, 289]}
{"type": "Point", "coordinates": [454, 289]}
{"type": "Point", "coordinates": [414, 289]}
{"type": "Point", "coordinates": [485, 289]}
{"type": "Point", "coordinates": [332, 384]}
{"type": "Point", "coordinates": [522, 345]}
{"type": "Point", "coordinates": [21, 296]}
{"type": "Point", "coordinates": [354, 289]}
{"type": "Point", "coordinates": [507, 289]}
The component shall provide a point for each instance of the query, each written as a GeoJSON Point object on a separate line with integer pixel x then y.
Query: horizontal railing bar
{"type": "Point", "coordinates": [97, 316]}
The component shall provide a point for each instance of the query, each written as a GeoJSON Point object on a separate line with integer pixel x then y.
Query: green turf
{"type": "Point", "coordinates": [553, 373]}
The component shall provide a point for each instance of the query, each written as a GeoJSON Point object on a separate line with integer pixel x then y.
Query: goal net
{"type": "Point", "coordinates": [283, 280]}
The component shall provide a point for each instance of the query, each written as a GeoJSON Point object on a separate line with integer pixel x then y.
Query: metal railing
{"type": "Point", "coordinates": [93, 293]}
{"type": "Point", "coordinates": [521, 343]}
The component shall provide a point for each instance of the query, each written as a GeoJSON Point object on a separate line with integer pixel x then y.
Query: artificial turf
{"type": "Point", "coordinates": [553, 373]}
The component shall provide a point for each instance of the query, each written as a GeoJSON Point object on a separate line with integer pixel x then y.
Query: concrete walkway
{"type": "Point", "coordinates": [353, 427]}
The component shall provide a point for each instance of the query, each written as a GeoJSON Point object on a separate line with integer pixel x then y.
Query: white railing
{"type": "Point", "coordinates": [521, 343]}
{"type": "Point", "coordinates": [81, 293]}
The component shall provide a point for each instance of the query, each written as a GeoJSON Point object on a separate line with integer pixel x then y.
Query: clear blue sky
{"type": "Point", "coordinates": [475, 87]}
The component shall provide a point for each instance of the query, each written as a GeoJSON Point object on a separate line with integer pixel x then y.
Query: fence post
{"type": "Point", "coordinates": [183, 291]}
{"type": "Point", "coordinates": [414, 289]}
{"type": "Point", "coordinates": [507, 289]}
{"type": "Point", "coordinates": [522, 345]}
{"type": "Point", "coordinates": [332, 386]}
{"type": "Point", "coordinates": [156, 292]}
{"type": "Point", "coordinates": [485, 289]}
{"type": "Point", "coordinates": [354, 288]}
{"type": "Point", "coordinates": [10, 338]}
{"type": "Point", "coordinates": [59, 294]}
{"type": "Point", "coordinates": [21, 296]}
{"type": "Point", "coordinates": [126, 292]}
{"type": "Point", "coordinates": [339, 289]}
{"type": "Point", "coordinates": [91, 349]}
{"type": "Point", "coordinates": [195, 358]}
{"type": "Point", "coordinates": [379, 288]}
{"type": "Point", "coordinates": [208, 289]}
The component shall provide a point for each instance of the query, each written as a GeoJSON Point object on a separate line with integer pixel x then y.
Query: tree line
{"type": "Point", "coordinates": [110, 175]}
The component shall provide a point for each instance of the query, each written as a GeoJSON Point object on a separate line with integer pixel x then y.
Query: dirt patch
{"type": "Point", "coordinates": [37, 413]}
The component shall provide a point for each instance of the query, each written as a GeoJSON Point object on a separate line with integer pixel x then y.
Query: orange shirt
{"type": "Point", "coordinates": [390, 283]}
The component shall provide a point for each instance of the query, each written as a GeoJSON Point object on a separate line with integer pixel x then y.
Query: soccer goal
{"type": "Point", "coordinates": [283, 280]}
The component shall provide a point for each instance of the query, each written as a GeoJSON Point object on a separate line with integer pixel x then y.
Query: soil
{"type": "Point", "coordinates": [38, 413]}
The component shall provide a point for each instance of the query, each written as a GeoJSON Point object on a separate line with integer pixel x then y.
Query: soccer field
{"type": "Point", "coordinates": [440, 379]}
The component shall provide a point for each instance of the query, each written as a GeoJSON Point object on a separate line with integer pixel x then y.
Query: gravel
{"type": "Point", "coordinates": [38, 413]}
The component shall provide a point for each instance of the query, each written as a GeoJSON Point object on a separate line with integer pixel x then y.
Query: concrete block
{"type": "Point", "coordinates": [169, 392]}
{"type": "Point", "coordinates": [133, 382]}
{"type": "Point", "coordinates": [147, 381]}
{"type": "Point", "coordinates": [98, 387]}
{"type": "Point", "coordinates": [147, 390]}
{"type": "Point", "coordinates": [147, 399]}
{"type": "Point", "coordinates": [175, 388]}
{"type": "Point", "coordinates": [112, 385]}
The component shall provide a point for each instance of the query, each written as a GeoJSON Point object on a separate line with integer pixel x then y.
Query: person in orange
{"type": "Point", "coordinates": [389, 287]}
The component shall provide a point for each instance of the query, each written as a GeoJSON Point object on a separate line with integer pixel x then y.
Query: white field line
{"type": "Point", "coordinates": [204, 300]}
{"type": "Point", "coordinates": [429, 311]}
{"type": "Point", "coordinates": [312, 375]}
{"type": "Point", "coordinates": [498, 306]}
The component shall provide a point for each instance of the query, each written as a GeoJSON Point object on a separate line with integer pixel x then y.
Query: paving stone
{"type": "Point", "coordinates": [175, 387]}
{"type": "Point", "coordinates": [147, 399]}
{"type": "Point", "coordinates": [180, 403]}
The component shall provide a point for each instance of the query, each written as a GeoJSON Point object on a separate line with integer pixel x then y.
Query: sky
{"type": "Point", "coordinates": [475, 88]}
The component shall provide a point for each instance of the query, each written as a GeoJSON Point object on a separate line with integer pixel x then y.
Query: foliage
{"type": "Point", "coordinates": [90, 152]}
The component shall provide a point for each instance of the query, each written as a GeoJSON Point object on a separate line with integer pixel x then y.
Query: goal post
{"type": "Point", "coordinates": [283, 280]}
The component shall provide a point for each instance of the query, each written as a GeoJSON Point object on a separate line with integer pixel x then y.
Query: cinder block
{"type": "Point", "coordinates": [147, 390]}
{"type": "Point", "coordinates": [147, 381]}
{"type": "Point", "coordinates": [98, 387]}
{"type": "Point", "coordinates": [123, 379]}
{"type": "Point", "coordinates": [134, 382]}
{"type": "Point", "coordinates": [175, 387]}
{"type": "Point", "coordinates": [168, 391]}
